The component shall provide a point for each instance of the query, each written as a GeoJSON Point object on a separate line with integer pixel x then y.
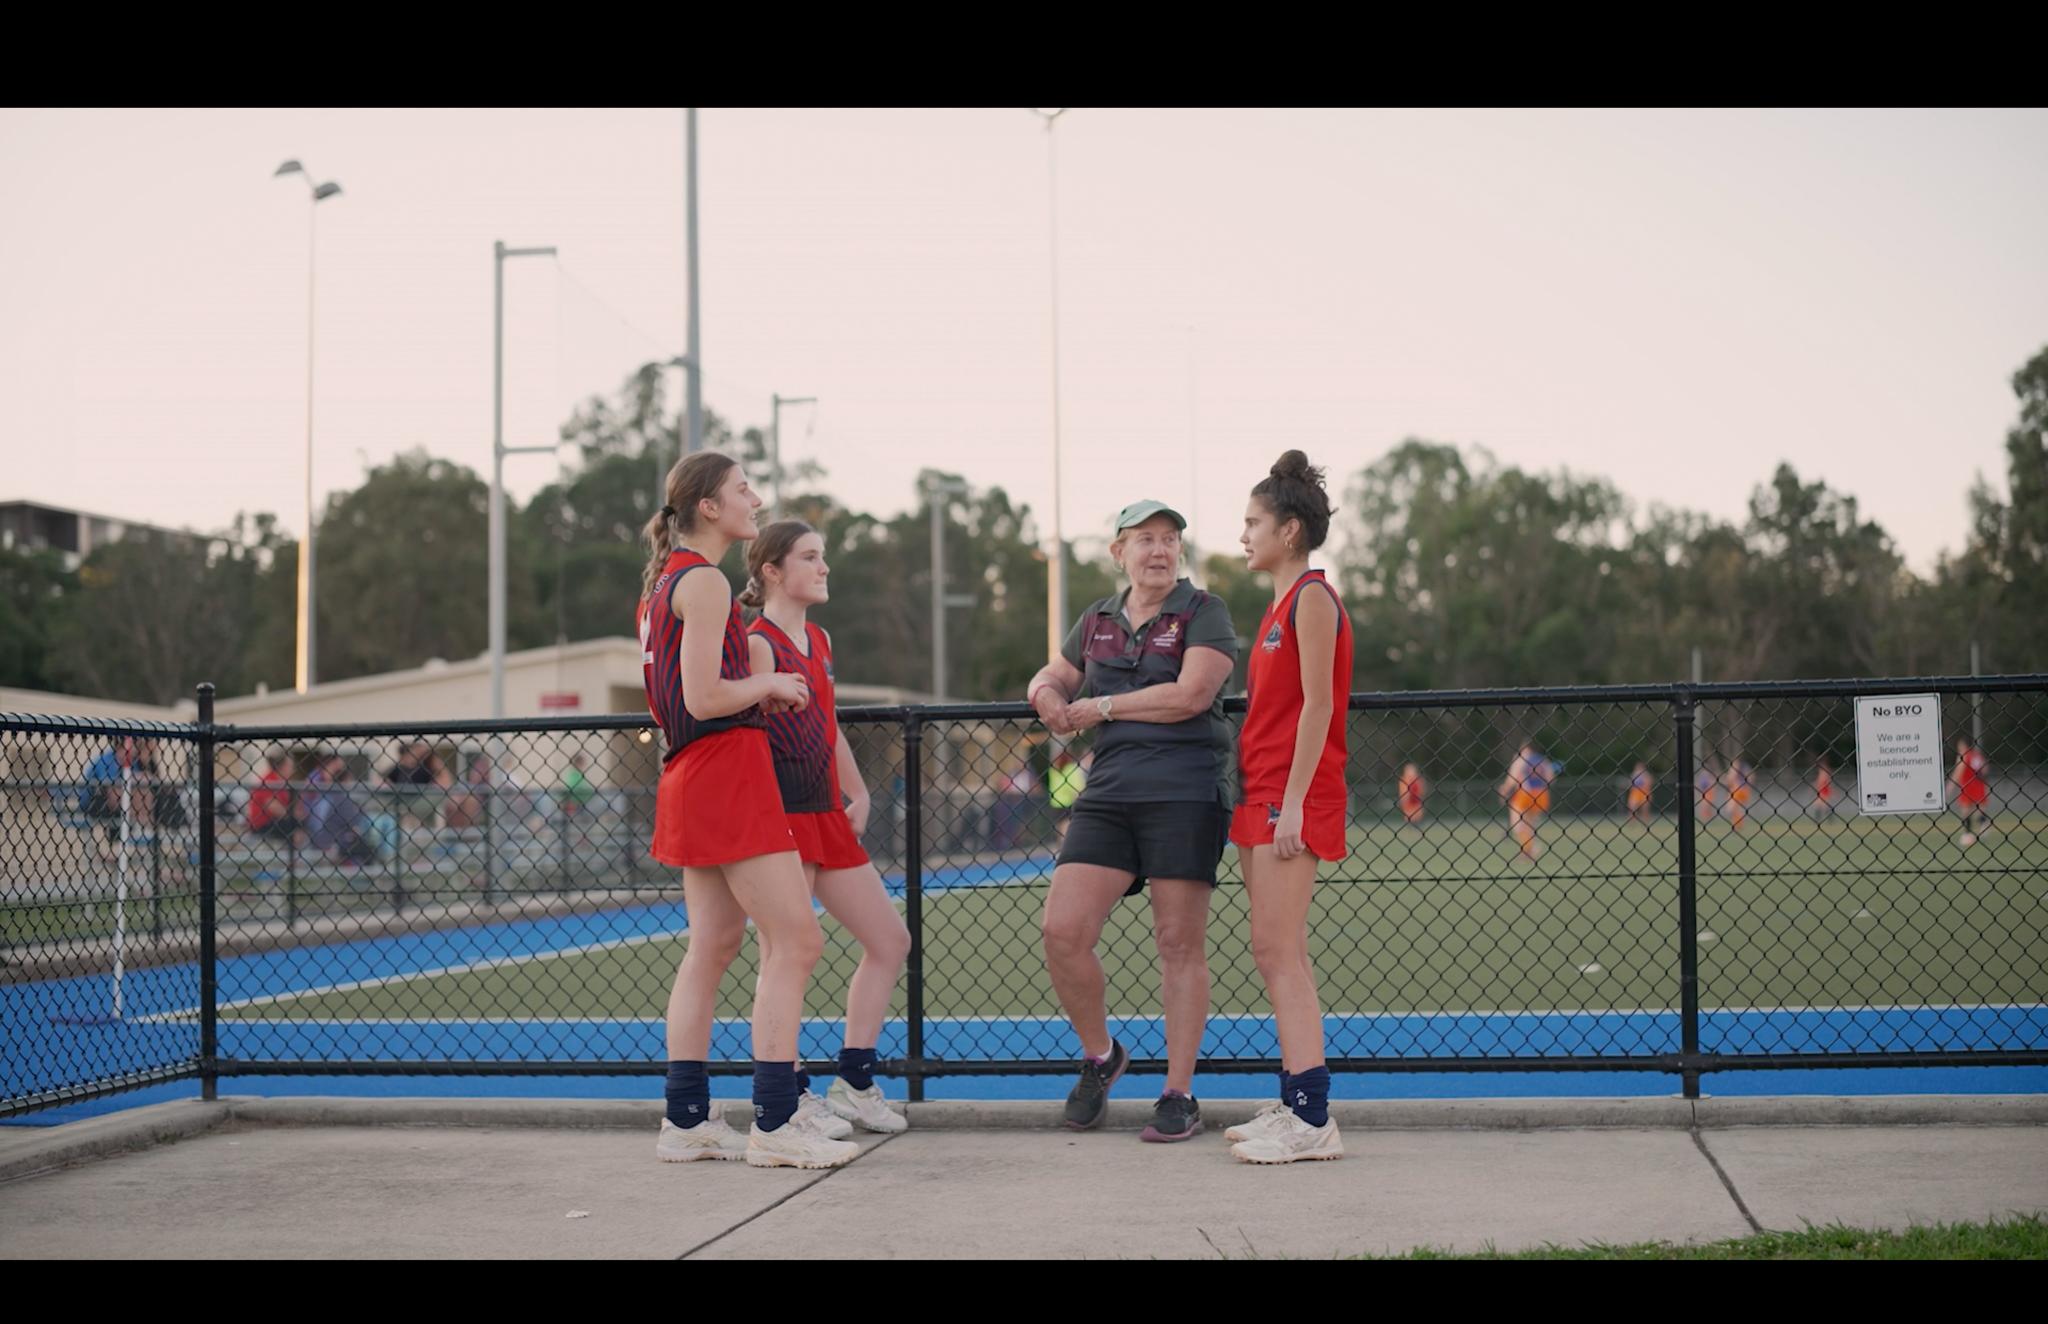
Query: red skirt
{"type": "Point", "coordinates": [827, 841]}
{"type": "Point", "coordinates": [719, 803]}
{"type": "Point", "coordinates": [1322, 828]}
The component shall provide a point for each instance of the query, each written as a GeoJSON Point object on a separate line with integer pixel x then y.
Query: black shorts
{"type": "Point", "coordinates": [1158, 839]}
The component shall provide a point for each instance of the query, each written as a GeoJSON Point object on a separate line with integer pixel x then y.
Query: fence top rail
{"type": "Point", "coordinates": [1678, 691]}
{"type": "Point", "coordinates": [454, 726]}
{"type": "Point", "coordinates": [98, 726]}
{"type": "Point", "coordinates": [1360, 701]}
{"type": "Point", "coordinates": [1669, 692]}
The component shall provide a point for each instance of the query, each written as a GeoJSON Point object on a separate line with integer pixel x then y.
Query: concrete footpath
{"type": "Point", "coordinates": [506, 1178]}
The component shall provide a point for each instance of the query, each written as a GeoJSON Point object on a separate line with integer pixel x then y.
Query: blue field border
{"type": "Point", "coordinates": [1046, 1038]}
{"type": "Point", "coordinates": [49, 1038]}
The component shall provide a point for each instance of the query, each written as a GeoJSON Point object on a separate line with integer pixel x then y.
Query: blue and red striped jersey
{"type": "Point", "coordinates": [804, 744]}
{"type": "Point", "coordinates": [661, 660]}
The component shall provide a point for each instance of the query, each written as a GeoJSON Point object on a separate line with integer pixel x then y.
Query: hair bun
{"type": "Point", "coordinates": [1293, 466]}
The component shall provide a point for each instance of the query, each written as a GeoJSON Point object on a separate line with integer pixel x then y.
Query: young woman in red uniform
{"type": "Point", "coordinates": [815, 767]}
{"type": "Point", "coordinates": [1973, 793]}
{"type": "Point", "coordinates": [1823, 789]}
{"type": "Point", "coordinates": [1413, 788]}
{"type": "Point", "coordinates": [719, 818]}
{"type": "Point", "coordinates": [1292, 795]}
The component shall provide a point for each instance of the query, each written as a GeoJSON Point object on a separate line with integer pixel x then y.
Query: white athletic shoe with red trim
{"type": "Point", "coordinates": [1290, 1140]}
{"type": "Point", "coordinates": [814, 1112]}
{"type": "Point", "coordinates": [867, 1108]}
{"type": "Point", "coordinates": [1261, 1120]}
{"type": "Point", "coordinates": [797, 1145]}
{"type": "Point", "coordinates": [708, 1139]}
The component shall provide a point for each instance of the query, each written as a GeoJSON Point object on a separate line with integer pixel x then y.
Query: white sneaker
{"type": "Point", "coordinates": [1289, 1139]}
{"type": "Point", "coordinates": [797, 1145]}
{"type": "Point", "coordinates": [708, 1139]}
{"type": "Point", "coordinates": [1264, 1118]}
{"type": "Point", "coordinates": [866, 1108]}
{"type": "Point", "coordinates": [815, 1113]}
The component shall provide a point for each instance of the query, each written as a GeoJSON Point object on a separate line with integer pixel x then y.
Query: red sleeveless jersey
{"type": "Point", "coordinates": [1265, 747]}
{"type": "Point", "coordinates": [661, 660]}
{"type": "Point", "coordinates": [805, 744]}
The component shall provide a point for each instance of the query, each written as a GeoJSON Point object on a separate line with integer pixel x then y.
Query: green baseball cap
{"type": "Point", "coordinates": [1139, 511]}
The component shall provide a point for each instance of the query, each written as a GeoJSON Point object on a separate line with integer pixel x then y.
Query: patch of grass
{"type": "Point", "coordinates": [2021, 1237]}
{"type": "Point", "coordinates": [1449, 917]}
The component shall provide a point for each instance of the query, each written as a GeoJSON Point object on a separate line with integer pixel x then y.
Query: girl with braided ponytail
{"type": "Point", "coordinates": [718, 816]}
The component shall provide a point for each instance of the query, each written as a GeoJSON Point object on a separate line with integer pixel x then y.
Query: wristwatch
{"type": "Point", "coordinates": [1102, 706]}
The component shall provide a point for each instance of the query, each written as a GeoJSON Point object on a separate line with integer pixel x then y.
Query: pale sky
{"type": "Point", "coordinates": [1674, 300]}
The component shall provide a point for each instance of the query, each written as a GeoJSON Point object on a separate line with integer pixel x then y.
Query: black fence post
{"type": "Point", "coordinates": [913, 893]}
{"type": "Point", "coordinates": [566, 815]}
{"type": "Point", "coordinates": [490, 840]}
{"type": "Point", "coordinates": [399, 805]}
{"type": "Point", "coordinates": [291, 875]}
{"type": "Point", "coordinates": [209, 989]}
{"type": "Point", "coordinates": [1683, 715]}
{"type": "Point", "coordinates": [291, 867]}
{"type": "Point", "coordinates": [156, 872]}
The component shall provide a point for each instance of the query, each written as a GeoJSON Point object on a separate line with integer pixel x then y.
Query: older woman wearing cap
{"type": "Point", "coordinates": [1147, 666]}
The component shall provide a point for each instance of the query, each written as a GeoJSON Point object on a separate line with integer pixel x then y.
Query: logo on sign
{"type": "Point", "coordinates": [1877, 799]}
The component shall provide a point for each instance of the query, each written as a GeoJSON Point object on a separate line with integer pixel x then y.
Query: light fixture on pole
{"type": "Point", "coordinates": [936, 489]}
{"type": "Point", "coordinates": [661, 462]}
{"type": "Point", "coordinates": [1056, 568]}
{"type": "Point", "coordinates": [775, 438]}
{"type": "Point", "coordinates": [499, 450]}
{"type": "Point", "coordinates": [693, 434]}
{"type": "Point", "coordinates": [304, 670]}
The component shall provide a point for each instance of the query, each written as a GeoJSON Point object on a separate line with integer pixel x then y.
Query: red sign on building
{"type": "Point", "coordinates": [561, 701]}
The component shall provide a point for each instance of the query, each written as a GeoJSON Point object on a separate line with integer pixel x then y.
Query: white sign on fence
{"type": "Point", "coordinates": [1898, 754]}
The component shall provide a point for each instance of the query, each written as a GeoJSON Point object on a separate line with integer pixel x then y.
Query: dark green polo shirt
{"type": "Point", "coordinates": [1144, 761]}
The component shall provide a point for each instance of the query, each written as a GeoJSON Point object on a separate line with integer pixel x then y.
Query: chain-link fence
{"type": "Point", "coordinates": [1659, 878]}
{"type": "Point", "coordinates": [100, 906]}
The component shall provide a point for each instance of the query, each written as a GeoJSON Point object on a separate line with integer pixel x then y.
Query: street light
{"type": "Point", "coordinates": [499, 450]}
{"type": "Point", "coordinates": [1056, 568]}
{"type": "Point", "coordinates": [693, 432]}
{"type": "Point", "coordinates": [689, 367]}
{"type": "Point", "coordinates": [304, 671]}
{"type": "Point", "coordinates": [936, 490]}
{"type": "Point", "coordinates": [775, 438]}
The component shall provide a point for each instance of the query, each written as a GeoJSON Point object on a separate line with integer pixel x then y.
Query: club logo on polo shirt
{"type": "Point", "coordinates": [1168, 636]}
{"type": "Point", "coordinates": [1272, 642]}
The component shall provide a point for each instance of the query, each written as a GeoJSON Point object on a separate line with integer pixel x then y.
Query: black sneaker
{"type": "Point", "coordinates": [1174, 1117]}
{"type": "Point", "coordinates": [1089, 1101]}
